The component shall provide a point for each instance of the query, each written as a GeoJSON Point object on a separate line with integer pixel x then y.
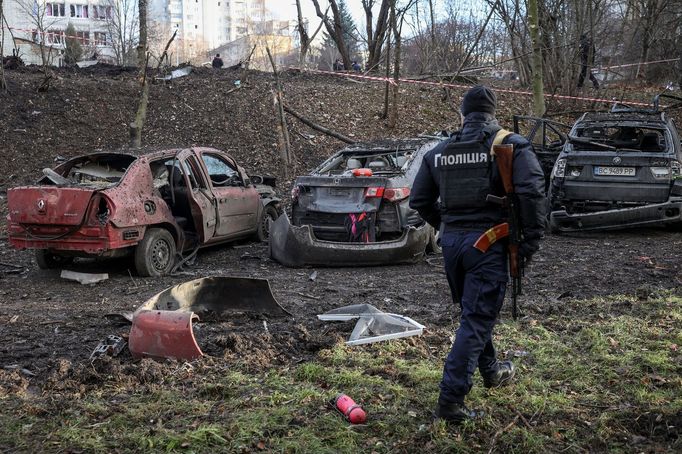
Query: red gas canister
{"type": "Point", "coordinates": [352, 411]}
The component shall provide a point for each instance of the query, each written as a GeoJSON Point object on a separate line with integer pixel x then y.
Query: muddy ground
{"type": "Point", "coordinates": [45, 320]}
{"type": "Point", "coordinates": [49, 326]}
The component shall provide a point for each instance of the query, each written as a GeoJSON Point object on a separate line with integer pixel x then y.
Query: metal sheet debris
{"type": "Point", "coordinates": [111, 346]}
{"type": "Point", "coordinates": [373, 325]}
{"type": "Point", "coordinates": [164, 334]}
{"type": "Point", "coordinates": [162, 326]}
{"type": "Point", "coordinates": [84, 278]}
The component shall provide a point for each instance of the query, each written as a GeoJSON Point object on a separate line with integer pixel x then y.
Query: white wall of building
{"type": "Point", "coordinates": [33, 20]}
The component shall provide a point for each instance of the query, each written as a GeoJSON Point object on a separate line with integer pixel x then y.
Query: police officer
{"type": "Point", "coordinates": [449, 192]}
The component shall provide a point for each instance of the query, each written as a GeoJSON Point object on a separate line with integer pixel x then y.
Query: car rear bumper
{"type": "Point", "coordinates": [98, 241]}
{"type": "Point", "coordinates": [647, 215]}
{"type": "Point", "coordinates": [295, 246]}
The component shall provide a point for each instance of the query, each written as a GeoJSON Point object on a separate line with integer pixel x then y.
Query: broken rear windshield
{"type": "Point", "coordinates": [99, 171]}
{"type": "Point", "coordinates": [599, 137]}
{"type": "Point", "coordinates": [380, 162]}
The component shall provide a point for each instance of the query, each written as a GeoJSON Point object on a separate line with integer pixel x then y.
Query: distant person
{"type": "Point", "coordinates": [587, 52]}
{"type": "Point", "coordinates": [217, 62]}
{"type": "Point", "coordinates": [338, 65]}
{"type": "Point", "coordinates": [356, 67]}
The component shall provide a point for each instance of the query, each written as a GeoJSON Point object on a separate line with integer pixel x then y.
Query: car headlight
{"type": "Point", "coordinates": [559, 170]}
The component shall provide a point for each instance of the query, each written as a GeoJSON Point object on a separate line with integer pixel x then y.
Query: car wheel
{"type": "Point", "coordinates": [155, 254]}
{"type": "Point", "coordinates": [46, 260]}
{"type": "Point", "coordinates": [269, 216]}
{"type": "Point", "coordinates": [432, 247]}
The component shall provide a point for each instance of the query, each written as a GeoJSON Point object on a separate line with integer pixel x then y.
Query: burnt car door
{"type": "Point", "coordinates": [192, 203]}
{"type": "Point", "coordinates": [202, 202]}
{"type": "Point", "coordinates": [237, 203]}
{"type": "Point", "coordinates": [547, 136]}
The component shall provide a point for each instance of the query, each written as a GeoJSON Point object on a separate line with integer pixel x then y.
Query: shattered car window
{"type": "Point", "coordinates": [98, 171]}
{"type": "Point", "coordinates": [220, 172]}
{"type": "Point", "coordinates": [384, 162]}
{"type": "Point", "coordinates": [598, 137]}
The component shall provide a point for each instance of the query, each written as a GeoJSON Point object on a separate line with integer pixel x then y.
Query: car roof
{"type": "Point", "coordinates": [630, 116]}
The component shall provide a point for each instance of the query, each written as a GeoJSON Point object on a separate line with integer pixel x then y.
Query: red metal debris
{"type": "Point", "coordinates": [164, 334]}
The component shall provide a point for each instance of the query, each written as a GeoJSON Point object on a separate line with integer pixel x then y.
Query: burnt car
{"type": "Point", "coordinates": [618, 169]}
{"type": "Point", "coordinates": [153, 206]}
{"type": "Point", "coordinates": [353, 209]}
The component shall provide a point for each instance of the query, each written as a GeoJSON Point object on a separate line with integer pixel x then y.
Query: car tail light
{"type": "Point", "coordinates": [559, 170]}
{"type": "Point", "coordinates": [102, 209]}
{"type": "Point", "coordinates": [661, 172]}
{"type": "Point", "coordinates": [295, 192]}
{"type": "Point", "coordinates": [395, 194]}
{"type": "Point", "coordinates": [676, 169]}
{"type": "Point", "coordinates": [374, 192]}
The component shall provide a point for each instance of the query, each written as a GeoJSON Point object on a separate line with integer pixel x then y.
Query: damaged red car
{"type": "Point", "coordinates": [155, 207]}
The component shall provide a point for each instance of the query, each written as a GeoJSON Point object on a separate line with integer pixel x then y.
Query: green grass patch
{"type": "Point", "coordinates": [588, 379]}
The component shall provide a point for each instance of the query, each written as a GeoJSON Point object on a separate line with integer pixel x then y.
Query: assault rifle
{"type": "Point", "coordinates": [512, 228]}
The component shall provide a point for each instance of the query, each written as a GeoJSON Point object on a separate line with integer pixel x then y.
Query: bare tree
{"type": "Point", "coordinates": [304, 37]}
{"type": "Point", "coordinates": [376, 33]}
{"type": "Point", "coordinates": [538, 89]}
{"type": "Point", "coordinates": [123, 26]}
{"type": "Point", "coordinates": [335, 29]}
{"type": "Point", "coordinates": [136, 126]}
{"type": "Point", "coordinates": [397, 19]}
{"type": "Point", "coordinates": [44, 37]}
{"type": "Point", "coordinates": [3, 84]}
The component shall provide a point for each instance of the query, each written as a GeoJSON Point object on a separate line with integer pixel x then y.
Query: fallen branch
{"type": "Point", "coordinates": [500, 432]}
{"type": "Point", "coordinates": [317, 127]}
{"type": "Point", "coordinates": [278, 99]}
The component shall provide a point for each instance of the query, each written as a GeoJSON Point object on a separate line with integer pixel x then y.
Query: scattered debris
{"type": "Point", "coordinates": [164, 334]}
{"type": "Point", "coordinates": [349, 409]}
{"type": "Point", "coordinates": [313, 276]}
{"type": "Point", "coordinates": [373, 325]}
{"type": "Point", "coordinates": [177, 73]}
{"type": "Point", "coordinates": [111, 346]}
{"type": "Point", "coordinates": [23, 370]}
{"type": "Point", "coordinates": [162, 326]}
{"type": "Point", "coordinates": [14, 319]}
{"type": "Point", "coordinates": [84, 278]}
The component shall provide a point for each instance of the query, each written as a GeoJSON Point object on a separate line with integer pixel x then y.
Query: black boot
{"type": "Point", "coordinates": [502, 374]}
{"type": "Point", "coordinates": [455, 413]}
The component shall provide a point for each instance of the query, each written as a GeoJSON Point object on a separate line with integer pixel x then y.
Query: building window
{"type": "Point", "coordinates": [79, 11]}
{"type": "Point", "coordinates": [101, 12]}
{"type": "Point", "coordinates": [56, 9]}
{"type": "Point", "coordinates": [196, 27]}
{"type": "Point", "coordinates": [101, 39]}
{"type": "Point", "coordinates": [54, 37]}
{"type": "Point", "coordinates": [83, 37]}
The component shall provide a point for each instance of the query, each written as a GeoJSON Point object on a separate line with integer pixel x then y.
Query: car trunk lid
{"type": "Point", "coordinates": [340, 195]}
{"type": "Point", "coordinates": [48, 205]}
{"type": "Point", "coordinates": [618, 177]}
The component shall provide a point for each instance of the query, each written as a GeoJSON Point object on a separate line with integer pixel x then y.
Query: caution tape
{"type": "Point", "coordinates": [466, 87]}
{"type": "Point", "coordinates": [638, 64]}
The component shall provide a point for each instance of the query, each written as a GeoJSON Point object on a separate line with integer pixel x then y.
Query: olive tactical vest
{"type": "Point", "coordinates": [465, 170]}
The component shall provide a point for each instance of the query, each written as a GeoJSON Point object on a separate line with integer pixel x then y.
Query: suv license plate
{"type": "Point", "coordinates": [615, 171]}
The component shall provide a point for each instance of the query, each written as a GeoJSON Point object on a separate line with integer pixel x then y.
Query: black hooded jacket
{"type": "Point", "coordinates": [529, 184]}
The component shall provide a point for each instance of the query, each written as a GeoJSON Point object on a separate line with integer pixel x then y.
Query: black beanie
{"type": "Point", "coordinates": [479, 99]}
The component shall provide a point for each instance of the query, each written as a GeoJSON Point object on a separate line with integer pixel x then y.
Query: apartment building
{"type": "Point", "coordinates": [37, 28]}
{"type": "Point", "coordinates": [204, 24]}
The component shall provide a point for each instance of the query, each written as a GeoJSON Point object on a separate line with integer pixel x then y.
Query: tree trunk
{"type": "Point", "coordinates": [282, 129]}
{"type": "Point", "coordinates": [3, 84]}
{"type": "Point", "coordinates": [393, 117]}
{"type": "Point", "coordinates": [376, 35]}
{"type": "Point", "coordinates": [538, 90]}
{"type": "Point", "coordinates": [335, 29]}
{"type": "Point", "coordinates": [387, 61]}
{"type": "Point", "coordinates": [142, 46]}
